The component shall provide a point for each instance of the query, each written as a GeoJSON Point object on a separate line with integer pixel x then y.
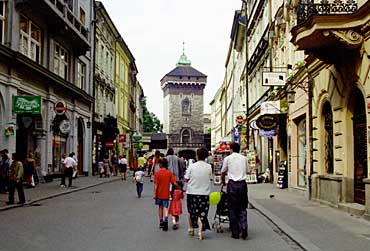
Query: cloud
{"type": "Point", "coordinates": [155, 29]}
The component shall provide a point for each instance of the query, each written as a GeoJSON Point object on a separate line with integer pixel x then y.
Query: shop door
{"type": "Point", "coordinates": [360, 148]}
{"type": "Point", "coordinates": [80, 147]}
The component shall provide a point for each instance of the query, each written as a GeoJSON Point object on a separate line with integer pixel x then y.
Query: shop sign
{"type": "Point", "coordinates": [65, 126]}
{"type": "Point", "coordinates": [109, 144]}
{"type": "Point", "coordinates": [146, 139]}
{"type": "Point", "coordinates": [239, 120]}
{"type": "Point", "coordinates": [27, 104]}
{"type": "Point", "coordinates": [60, 108]}
{"type": "Point", "coordinates": [273, 78]}
{"type": "Point", "coordinates": [267, 122]}
{"type": "Point", "coordinates": [270, 133]}
{"type": "Point", "coordinates": [274, 107]}
{"type": "Point", "coordinates": [122, 138]}
{"type": "Point", "coordinates": [236, 135]}
{"type": "Point", "coordinates": [9, 131]}
{"type": "Point", "coordinates": [136, 137]}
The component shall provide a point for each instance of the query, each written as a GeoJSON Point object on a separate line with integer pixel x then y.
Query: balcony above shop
{"type": "Point", "coordinates": [332, 28]}
{"type": "Point", "coordinates": [61, 21]}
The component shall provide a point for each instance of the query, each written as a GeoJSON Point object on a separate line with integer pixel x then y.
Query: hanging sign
{"type": "Point", "coordinates": [264, 133]}
{"type": "Point", "coordinates": [122, 138]}
{"type": "Point", "coordinates": [27, 104]}
{"type": "Point", "coordinates": [239, 120]}
{"type": "Point", "coordinates": [267, 122]}
{"type": "Point", "coordinates": [137, 137]}
{"type": "Point", "coordinates": [65, 126]}
{"type": "Point", "coordinates": [60, 108]}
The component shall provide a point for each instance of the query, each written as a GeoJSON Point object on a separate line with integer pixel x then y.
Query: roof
{"type": "Point", "coordinates": [185, 71]}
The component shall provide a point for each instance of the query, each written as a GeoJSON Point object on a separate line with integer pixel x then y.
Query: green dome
{"type": "Point", "coordinates": [183, 60]}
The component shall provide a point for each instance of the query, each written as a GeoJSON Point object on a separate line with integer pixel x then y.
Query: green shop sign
{"type": "Point", "coordinates": [27, 104]}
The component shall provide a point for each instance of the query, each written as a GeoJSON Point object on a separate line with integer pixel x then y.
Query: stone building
{"type": "Point", "coordinates": [183, 106]}
{"type": "Point", "coordinates": [45, 80]}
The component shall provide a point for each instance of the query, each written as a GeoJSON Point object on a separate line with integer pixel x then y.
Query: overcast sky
{"type": "Point", "coordinates": [155, 29]}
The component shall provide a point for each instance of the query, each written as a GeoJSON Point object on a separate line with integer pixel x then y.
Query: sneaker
{"type": "Point", "coordinates": [165, 226]}
{"type": "Point", "coordinates": [62, 185]}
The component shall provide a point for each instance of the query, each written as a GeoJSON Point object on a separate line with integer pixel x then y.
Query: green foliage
{"type": "Point", "coordinates": [150, 121]}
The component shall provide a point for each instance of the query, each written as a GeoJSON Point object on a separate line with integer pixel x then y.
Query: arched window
{"type": "Point", "coordinates": [328, 143]}
{"type": "Point", "coordinates": [186, 107]}
{"type": "Point", "coordinates": [302, 153]}
{"type": "Point", "coordinates": [185, 137]}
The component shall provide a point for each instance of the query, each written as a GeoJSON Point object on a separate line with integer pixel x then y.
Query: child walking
{"type": "Point", "coordinates": [162, 180]}
{"type": "Point", "coordinates": [139, 180]}
{"type": "Point", "coordinates": [176, 206]}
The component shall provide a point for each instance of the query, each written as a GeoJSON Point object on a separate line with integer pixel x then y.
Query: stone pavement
{"type": "Point", "coordinates": [52, 189]}
{"type": "Point", "coordinates": [313, 225]}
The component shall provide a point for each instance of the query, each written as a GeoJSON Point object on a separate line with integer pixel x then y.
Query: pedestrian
{"type": "Point", "coordinates": [210, 160]}
{"type": "Point", "coordinates": [70, 164]}
{"type": "Point", "coordinates": [101, 168]}
{"type": "Point", "coordinates": [29, 170]}
{"type": "Point", "coordinates": [139, 180]}
{"type": "Point", "coordinates": [106, 166]}
{"type": "Point", "coordinates": [182, 168]}
{"type": "Point", "coordinates": [155, 166]}
{"type": "Point", "coordinates": [114, 161]}
{"type": "Point", "coordinates": [15, 181]}
{"type": "Point", "coordinates": [75, 168]}
{"type": "Point", "coordinates": [235, 167]}
{"type": "Point", "coordinates": [63, 170]}
{"type": "Point", "coordinates": [162, 181]}
{"type": "Point", "coordinates": [198, 178]}
{"type": "Point", "coordinates": [173, 163]}
{"type": "Point", "coordinates": [122, 165]}
{"type": "Point", "coordinates": [4, 172]}
{"type": "Point", "coordinates": [176, 206]}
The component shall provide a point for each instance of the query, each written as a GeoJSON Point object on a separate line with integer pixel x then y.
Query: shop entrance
{"type": "Point", "coordinates": [360, 146]}
{"type": "Point", "coordinates": [24, 136]}
{"type": "Point", "coordinates": [80, 147]}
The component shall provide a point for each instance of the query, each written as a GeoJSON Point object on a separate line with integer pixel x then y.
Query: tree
{"type": "Point", "coordinates": [150, 121]}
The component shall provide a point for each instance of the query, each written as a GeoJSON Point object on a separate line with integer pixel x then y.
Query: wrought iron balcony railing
{"type": "Point", "coordinates": [306, 8]}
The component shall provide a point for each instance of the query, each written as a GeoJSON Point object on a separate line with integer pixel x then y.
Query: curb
{"type": "Point", "coordinates": [30, 202]}
{"type": "Point", "coordinates": [299, 239]}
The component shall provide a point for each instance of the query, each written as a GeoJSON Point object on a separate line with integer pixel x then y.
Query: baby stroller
{"type": "Point", "coordinates": [222, 213]}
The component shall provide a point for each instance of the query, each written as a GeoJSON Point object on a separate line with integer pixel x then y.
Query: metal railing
{"type": "Point", "coordinates": [325, 7]}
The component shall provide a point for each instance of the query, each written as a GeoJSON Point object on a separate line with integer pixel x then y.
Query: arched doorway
{"type": "Point", "coordinates": [80, 146]}
{"type": "Point", "coordinates": [360, 145]}
{"type": "Point", "coordinates": [187, 154]}
{"type": "Point", "coordinates": [185, 137]}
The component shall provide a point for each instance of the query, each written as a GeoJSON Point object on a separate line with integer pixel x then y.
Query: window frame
{"type": "Point", "coordinates": [302, 135]}
{"type": "Point", "coordinates": [81, 75]}
{"type": "Point", "coordinates": [61, 61]}
{"type": "Point", "coordinates": [30, 51]}
{"type": "Point", "coordinates": [2, 22]}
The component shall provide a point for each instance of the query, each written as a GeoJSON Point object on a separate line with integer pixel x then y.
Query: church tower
{"type": "Point", "coordinates": [183, 106]}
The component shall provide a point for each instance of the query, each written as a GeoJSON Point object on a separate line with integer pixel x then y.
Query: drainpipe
{"type": "Point", "coordinates": [246, 71]}
{"type": "Point", "coordinates": [93, 125]}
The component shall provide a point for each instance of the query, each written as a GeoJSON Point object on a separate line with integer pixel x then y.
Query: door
{"type": "Point", "coordinates": [360, 148]}
{"type": "Point", "coordinates": [80, 147]}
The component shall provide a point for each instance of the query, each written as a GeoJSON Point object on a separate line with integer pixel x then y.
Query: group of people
{"type": "Point", "coordinates": [170, 177]}
{"type": "Point", "coordinates": [12, 175]}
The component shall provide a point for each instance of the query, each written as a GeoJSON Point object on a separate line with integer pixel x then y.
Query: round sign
{"type": "Point", "coordinates": [267, 122]}
{"type": "Point", "coordinates": [65, 126]}
{"type": "Point", "coordinates": [136, 136]}
{"type": "Point", "coordinates": [60, 108]}
{"type": "Point", "coordinates": [239, 120]}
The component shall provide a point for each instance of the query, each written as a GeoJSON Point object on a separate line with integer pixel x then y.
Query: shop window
{"type": "Point", "coordinates": [328, 142]}
{"type": "Point", "coordinates": [30, 39]}
{"type": "Point", "coordinates": [302, 153]}
{"type": "Point", "coordinates": [59, 148]}
{"type": "Point", "coordinates": [185, 137]}
{"type": "Point", "coordinates": [61, 59]}
{"type": "Point", "coordinates": [81, 75]}
{"type": "Point", "coordinates": [2, 21]}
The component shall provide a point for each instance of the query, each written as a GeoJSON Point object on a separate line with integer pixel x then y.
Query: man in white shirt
{"type": "Point", "coordinates": [69, 163]}
{"type": "Point", "coordinates": [235, 167]}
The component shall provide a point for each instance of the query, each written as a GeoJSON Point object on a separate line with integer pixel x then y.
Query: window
{"type": "Point", "coordinates": [328, 143]}
{"type": "Point", "coordinates": [82, 16]}
{"type": "Point", "coordinates": [2, 21]}
{"type": "Point", "coordinates": [30, 39]}
{"type": "Point", "coordinates": [81, 75]}
{"type": "Point", "coordinates": [186, 107]}
{"type": "Point", "coordinates": [61, 59]}
{"type": "Point", "coordinates": [302, 153]}
{"type": "Point", "coordinates": [69, 4]}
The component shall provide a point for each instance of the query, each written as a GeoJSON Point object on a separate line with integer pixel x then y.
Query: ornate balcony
{"type": "Point", "coordinates": [59, 18]}
{"type": "Point", "coordinates": [332, 30]}
{"type": "Point", "coordinates": [325, 7]}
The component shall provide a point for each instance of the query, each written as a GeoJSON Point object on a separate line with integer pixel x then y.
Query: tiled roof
{"type": "Point", "coordinates": [185, 71]}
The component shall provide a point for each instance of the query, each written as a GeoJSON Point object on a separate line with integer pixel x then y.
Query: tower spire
{"type": "Point", "coordinates": [183, 61]}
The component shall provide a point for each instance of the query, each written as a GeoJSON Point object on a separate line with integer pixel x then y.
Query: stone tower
{"type": "Point", "coordinates": [183, 106]}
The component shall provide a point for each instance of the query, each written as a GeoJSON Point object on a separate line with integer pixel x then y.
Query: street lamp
{"type": "Point", "coordinates": [290, 96]}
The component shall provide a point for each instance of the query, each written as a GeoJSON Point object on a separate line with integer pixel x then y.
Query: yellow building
{"type": "Point", "coordinates": [125, 70]}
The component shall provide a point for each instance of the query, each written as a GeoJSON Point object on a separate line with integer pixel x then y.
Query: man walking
{"type": "Point", "coordinates": [69, 164]}
{"type": "Point", "coordinates": [15, 181]}
{"type": "Point", "coordinates": [235, 168]}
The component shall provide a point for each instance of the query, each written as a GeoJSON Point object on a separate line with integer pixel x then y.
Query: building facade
{"type": "Point", "coordinates": [183, 106]}
{"type": "Point", "coordinates": [46, 94]}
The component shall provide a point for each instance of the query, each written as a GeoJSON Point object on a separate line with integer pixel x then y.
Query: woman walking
{"type": "Point", "coordinates": [155, 166]}
{"type": "Point", "coordinates": [198, 176]}
{"type": "Point", "coordinates": [29, 170]}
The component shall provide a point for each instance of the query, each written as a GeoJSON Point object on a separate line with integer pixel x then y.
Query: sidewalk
{"type": "Point", "coordinates": [314, 226]}
{"type": "Point", "coordinates": [52, 189]}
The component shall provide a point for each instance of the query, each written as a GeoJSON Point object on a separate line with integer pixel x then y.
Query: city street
{"type": "Point", "coordinates": [110, 217]}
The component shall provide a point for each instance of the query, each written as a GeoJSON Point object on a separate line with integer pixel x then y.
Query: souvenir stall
{"type": "Point", "coordinates": [221, 152]}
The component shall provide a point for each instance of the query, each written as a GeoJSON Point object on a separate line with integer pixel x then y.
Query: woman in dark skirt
{"type": "Point", "coordinates": [198, 177]}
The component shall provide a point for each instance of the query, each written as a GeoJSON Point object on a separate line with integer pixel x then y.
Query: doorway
{"type": "Point", "coordinates": [360, 146]}
{"type": "Point", "coordinates": [80, 147]}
